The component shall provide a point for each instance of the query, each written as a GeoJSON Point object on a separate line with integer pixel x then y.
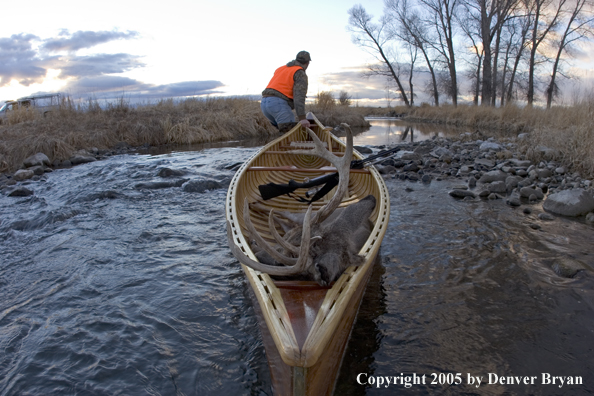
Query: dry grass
{"type": "Point", "coordinates": [75, 127]}
{"type": "Point", "coordinates": [565, 130]}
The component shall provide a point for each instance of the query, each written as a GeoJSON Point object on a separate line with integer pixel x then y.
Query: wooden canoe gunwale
{"type": "Point", "coordinates": [351, 282]}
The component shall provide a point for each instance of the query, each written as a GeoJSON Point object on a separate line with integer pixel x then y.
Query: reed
{"type": "Point", "coordinates": [85, 125]}
{"type": "Point", "coordinates": [75, 126]}
{"type": "Point", "coordinates": [565, 130]}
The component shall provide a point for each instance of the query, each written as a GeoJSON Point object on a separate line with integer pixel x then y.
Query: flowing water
{"type": "Point", "coordinates": [110, 287]}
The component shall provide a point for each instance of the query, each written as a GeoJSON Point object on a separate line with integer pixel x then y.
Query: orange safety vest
{"type": "Point", "coordinates": [282, 81]}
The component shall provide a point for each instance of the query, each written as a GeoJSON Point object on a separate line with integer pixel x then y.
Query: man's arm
{"type": "Point", "coordinates": [299, 93]}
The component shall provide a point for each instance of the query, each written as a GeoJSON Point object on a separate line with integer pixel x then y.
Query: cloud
{"type": "Point", "coordinates": [87, 39]}
{"type": "Point", "coordinates": [186, 88]}
{"type": "Point", "coordinates": [27, 58]}
{"type": "Point", "coordinates": [96, 65]}
{"type": "Point", "coordinates": [110, 87]}
{"type": "Point", "coordinates": [19, 61]}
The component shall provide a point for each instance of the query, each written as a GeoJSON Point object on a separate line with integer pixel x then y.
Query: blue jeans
{"type": "Point", "coordinates": [277, 110]}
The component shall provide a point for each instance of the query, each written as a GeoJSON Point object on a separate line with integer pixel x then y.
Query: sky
{"type": "Point", "coordinates": [150, 50]}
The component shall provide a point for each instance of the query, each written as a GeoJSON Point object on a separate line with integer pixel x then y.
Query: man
{"type": "Point", "coordinates": [287, 91]}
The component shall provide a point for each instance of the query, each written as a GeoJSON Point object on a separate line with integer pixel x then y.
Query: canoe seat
{"type": "Point", "coordinates": [325, 169]}
{"type": "Point", "coordinates": [306, 144]}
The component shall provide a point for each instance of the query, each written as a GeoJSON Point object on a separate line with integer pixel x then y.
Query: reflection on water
{"type": "Point", "coordinates": [391, 131]}
{"type": "Point", "coordinates": [111, 288]}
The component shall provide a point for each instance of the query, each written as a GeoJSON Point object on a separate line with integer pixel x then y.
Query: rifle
{"type": "Point", "coordinates": [271, 190]}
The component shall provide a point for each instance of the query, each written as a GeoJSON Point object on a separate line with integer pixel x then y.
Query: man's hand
{"type": "Point", "coordinates": [305, 123]}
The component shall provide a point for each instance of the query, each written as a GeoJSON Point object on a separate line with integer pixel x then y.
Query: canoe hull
{"type": "Point", "coordinates": [321, 378]}
{"type": "Point", "coordinates": [305, 327]}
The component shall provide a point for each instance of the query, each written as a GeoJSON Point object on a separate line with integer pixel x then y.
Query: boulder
{"type": "Point", "coordinates": [36, 160]}
{"type": "Point", "coordinates": [81, 159]}
{"type": "Point", "coordinates": [20, 192]}
{"type": "Point", "coordinates": [462, 193]}
{"type": "Point", "coordinates": [23, 174]}
{"type": "Point", "coordinates": [486, 146]}
{"type": "Point", "coordinates": [493, 176]}
{"type": "Point", "coordinates": [200, 186]}
{"type": "Point", "coordinates": [574, 202]}
{"type": "Point", "coordinates": [168, 172]}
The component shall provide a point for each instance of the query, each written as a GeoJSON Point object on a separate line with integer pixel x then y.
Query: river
{"type": "Point", "coordinates": [111, 287]}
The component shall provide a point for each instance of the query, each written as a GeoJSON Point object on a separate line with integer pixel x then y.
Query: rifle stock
{"type": "Point", "coordinates": [271, 190]}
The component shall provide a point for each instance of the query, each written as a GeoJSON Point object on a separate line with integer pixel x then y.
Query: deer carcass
{"type": "Point", "coordinates": [325, 243]}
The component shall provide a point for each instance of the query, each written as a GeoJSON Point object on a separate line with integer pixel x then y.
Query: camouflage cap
{"type": "Point", "coordinates": [303, 57]}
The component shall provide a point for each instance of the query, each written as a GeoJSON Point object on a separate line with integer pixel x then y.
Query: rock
{"type": "Point", "coordinates": [36, 159]}
{"type": "Point", "coordinates": [471, 182]}
{"type": "Point", "coordinates": [574, 202]}
{"type": "Point", "coordinates": [407, 156]}
{"type": "Point", "coordinates": [167, 172]}
{"type": "Point", "coordinates": [512, 181]}
{"type": "Point", "coordinates": [462, 194]}
{"type": "Point", "coordinates": [38, 170]}
{"type": "Point", "coordinates": [487, 163]}
{"type": "Point", "coordinates": [520, 163]}
{"type": "Point", "coordinates": [497, 187]}
{"type": "Point", "coordinates": [386, 170]}
{"type": "Point", "coordinates": [363, 149]}
{"type": "Point", "coordinates": [81, 159]}
{"type": "Point", "coordinates": [440, 151]}
{"type": "Point", "coordinates": [426, 179]}
{"type": "Point", "coordinates": [493, 176]}
{"type": "Point", "coordinates": [526, 192]}
{"type": "Point", "coordinates": [545, 216]}
{"type": "Point", "coordinates": [566, 267]}
{"type": "Point", "coordinates": [590, 218]}
{"type": "Point", "coordinates": [412, 167]}
{"type": "Point", "coordinates": [543, 173]}
{"type": "Point", "coordinates": [486, 146]}
{"type": "Point", "coordinates": [122, 146]}
{"type": "Point", "coordinates": [23, 174]}
{"type": "Point", "coordinates": [514, 199]}
{"type": "Point", "coordinates": [20, 192]}
{"type": "Point", "coordinates": [200, 186]}
{"type": "Point", "coordinates": [527, 211]}
{"type": "Point", "coordinates": [560, 170]}
{"type": "Point", "coordinates": [160, 185]}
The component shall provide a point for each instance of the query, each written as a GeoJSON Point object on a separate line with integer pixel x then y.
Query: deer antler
{"type": "Point", "coordinates": [275, 254]}
{"type": "Point", "coordinates": [279, 239]}
{"type": "Point", "coordinates": [303, 262]}
{"type": "Point", "coordinates": [343, 166]}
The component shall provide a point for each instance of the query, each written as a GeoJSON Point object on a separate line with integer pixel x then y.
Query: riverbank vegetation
{"type": "Point", "coordinates": [565, 132]}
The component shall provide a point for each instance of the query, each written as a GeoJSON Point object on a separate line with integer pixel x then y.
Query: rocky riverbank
{"type": "Point", "coordinates": [487, 169]}
{"type": "Point", "coordinates": [490, 170]}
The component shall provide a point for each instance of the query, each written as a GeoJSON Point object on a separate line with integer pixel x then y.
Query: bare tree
{"type": "Point", "coordinates": [441, 15]}
{"type": "Point", "coordinates": [489, 16]}
{"type": "Point", "coordinates": [375, 38]}
{"type": "Point", "coordinates": [578, 26]}
{"type": "Point", "coordinates": [472, 31]}
{"type": "Point", "coordinates": [415, 33]}
{"type": "Point", "coordinates": [344, 98]}
{"type": "Point", "coordinates": [545, 17]}
{"type": "Point", "coordinates": [519, 27]}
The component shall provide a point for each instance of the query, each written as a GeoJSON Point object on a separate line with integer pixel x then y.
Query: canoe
{"type": "Point", "coordinates": [305, 327]}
